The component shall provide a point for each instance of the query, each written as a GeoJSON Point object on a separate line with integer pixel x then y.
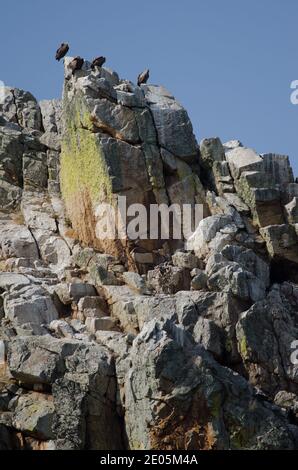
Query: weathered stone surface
{"type": "Point", "coordinates": [17, 241]}
{"type": "Point", "coordinates": [135, 282]}
{"type": "Point", "coordinates": [99, 276]}
{"type": "Point", "coordinates": [194, 399]}
{"type": "Point", "coordinates": [103, 323]}
{"type": "Point", "coordinates": [279, 168]}
{"type": "Point", "coordinates": [40, 359]}
{"type": "Point", "coordinates": [211, 150]}
{"type": "Point", "coordinates": [73, 292]}
{"type": "Point", "coordinates": [11, 152]}
{"type": "Point", "coordinates": [281, 241]}
{"type": "Point", "coordinates": [51, 111]}
{"type": "Point", "coordinates": [258, 191]}
{"type": "Point", "coordinates": [29, 305]}
{"type": "Point", "coordinates": [21, 107]}
{"type": "Point", "coordinates": [169, 279]}
{"type": "Point", "coordinates": [219, 308]}
{"type": "Point", "coordinates": [199, 281]}
{"type": "Point", "coordinates": [126, 165]}
{"type": "Point", "coordinates": [235, 201]}
{"type": "Point", "coordinates": [87, 257]}
{"type": "Point", "coordinates": [83, 414]}
{"type": "Point", "coordinates": [231, 144]}
{"type": "Point", "coordinates": [209, 335]}
{"type": "Point", "coordinates": [185, 260]}
{"type": "Point", "coordinates": [121, 119]}
{"type": "Point", "coordinates": [287, 401]}
{"type": "Point", "coordinates": [8, 280]}
{"type": "Point", "coordinates": [92, 306]}
{"type": "Point", "coordinates": [174, 128]}
{"type": "Point", "coordinates": [121, 301]}
{"type": "Point", "coordinates": [54, 250]}
{"type": "Point", "coordinates": [85, 402]}
{"type": "Point", "coordinates": [249, 261]}
{"type": "Point", "coordinates": [130, 95]}
{"type": "Point", "coordinates": [242, 159]}
{"type": "Point", "coordinates": [215, 228]}
{"type": "Point", "coordinates": [33, 415]}
{"type": "Point", "coordinates": [265, 333]}
{"type": "Point", "coordinates": [61, 328]}
{"type": "Point", "coordinates": [231, 277]}
{"type": "Point", "coordinates": [221, 178]}
{"type": "Point", "coordinates": [292, 211]}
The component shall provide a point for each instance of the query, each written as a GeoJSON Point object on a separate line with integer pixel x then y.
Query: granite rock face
{"type": "Point", "coordinates": [194, 399]}
{"type": "Point", "coordinates": [128, 139]}
{"type": "Point", "coordinates": [144, 343]}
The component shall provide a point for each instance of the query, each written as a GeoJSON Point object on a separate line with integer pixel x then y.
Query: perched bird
{"type": "Point", "coordinates": [143, 77]}
{"type": "Point", "coordinates": [98, 62]}
{"type": "Point", "coordinates": [62, 51]}
{"type": "Point", "coordinates": [76, 64]}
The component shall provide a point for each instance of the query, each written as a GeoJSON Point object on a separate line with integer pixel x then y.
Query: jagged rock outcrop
{"type": "Point", "coordinates": [123, 140]}
{"type": "Point", "coordinates": [146, 343]}
{"type": "Point", "coordinates": [178, 397]}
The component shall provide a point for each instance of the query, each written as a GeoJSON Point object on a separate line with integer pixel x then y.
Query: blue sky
{"type": "Point", "coordinates": [229, 62]}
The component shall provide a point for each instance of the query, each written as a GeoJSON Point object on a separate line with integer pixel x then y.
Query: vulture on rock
{"type": "Point", "coordinates": [76, 64]}
{"type": "Point", "coordinates": [62, 51]}
{"type": "Point", "coordinates": [143, 77]}
{"type": "Point", "coordinates": [98, 62]}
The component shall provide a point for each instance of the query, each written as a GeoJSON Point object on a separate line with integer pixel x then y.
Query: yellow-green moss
{"type": "Point", "coordinates": [243, 347]}
{"type": "Point", "coordinates": [83, 167]}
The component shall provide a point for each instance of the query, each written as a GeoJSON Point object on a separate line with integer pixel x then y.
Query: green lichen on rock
{"type": "Point", "coordinates": [83, 167]}
{"type": "Point", "coordinates": [243, 347]}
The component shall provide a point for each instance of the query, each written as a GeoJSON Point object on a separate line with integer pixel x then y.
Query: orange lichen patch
{"type": "Point", "coordinates": [5, 377]}
{"type": "Point", "coordinates": [101, 126]}
{"type": "Point", "coordinates": [71, 233]}
{"type": "Point", "coordinates": [82, 214]}
{"type": "Point", "coordinates": [18, 218]}
{"type": "Point", "coordinates": [190, 431]}
{"type": "Point", "coordinates": [33, 444]}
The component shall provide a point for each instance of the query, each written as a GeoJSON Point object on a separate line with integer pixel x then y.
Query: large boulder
{"type": "Point", "coordinates": [39, 359]}
{"type": "Point", "coordinates": [169, 279]}
{"type": "Point", "coordinates": [178, 397]}
{"type": "Point", "coordinates": [85, 402]}
{"type": "Point", "coordinates": [265, 335]}
{"type": "Point", "coordinates": [212, 234]}
{"type": "Point", "coordinates": [211, 150]}
{"type": "Point", "coordinates": [21, 107]}
{"type": "Point", "coordinates": [112, 147]}
{"type": "Point", "coordinates": [174, 128]}
{"type": "Point", "coordinates": [262, 196]}
{"type": "Point", "coordinates": [240, 271]}
{"type": "Point", "coordinates": [33, 415]}
{"type": "Point", "coordinates": [17, 241]}
{"type": "Point", "coordinates": [281, 241]}
{"type": "Point", "coordinates": [241, 159]}
{"type": "Point", "coordinates": [29, 305]}
{"type": "Point", "coordinates": [82, 413]}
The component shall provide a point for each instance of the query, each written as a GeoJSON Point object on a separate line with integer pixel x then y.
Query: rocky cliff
{"type": "Point", "coordinates": [143, 344]}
